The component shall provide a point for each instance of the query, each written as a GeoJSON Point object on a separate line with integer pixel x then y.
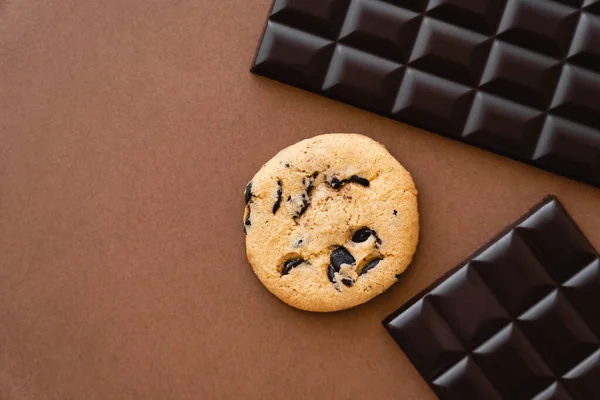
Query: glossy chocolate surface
{"type": "Point", "coordinates": [517, 77]}
{"type": "Point", "coordinates": [520, 319]}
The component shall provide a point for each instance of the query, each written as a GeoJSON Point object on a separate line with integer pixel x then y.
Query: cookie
{"type": "Point", "coordinates": [330, 222]}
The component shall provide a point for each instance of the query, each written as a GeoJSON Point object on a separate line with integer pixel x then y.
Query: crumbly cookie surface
{"type": "Point", "coordinates": [330, 222]}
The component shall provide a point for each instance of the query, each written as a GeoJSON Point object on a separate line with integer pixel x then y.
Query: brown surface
{"type": "Point", "coordinates": [128, 130]}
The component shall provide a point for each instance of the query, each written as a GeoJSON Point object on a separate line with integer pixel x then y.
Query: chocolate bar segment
{"type": "Point", "coordinates": [517, 77]}
{"type": "Point", "coordinates": [519, 319]}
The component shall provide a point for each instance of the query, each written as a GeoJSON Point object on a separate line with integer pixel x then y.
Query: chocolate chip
{"type": "Point", "coordinates": [361, 235]}
{"type": "Point", "coordinates": [348, 282]}
{"type": "Point", "coordinates": [245, 233]}
{"type": "Point", "coordinates": [395, 212]}
{"type": "Point", "coordinates": [377, 240]}
{"type": "Point", "coordinates": [315, 174]}
{"type": "Point", "coordinates": [247, 220]}
{"type": "Point", "coordinates": [310, 187]}
{"type": "Point", "coordinates": [298, 243]}
{"type": "Point", "coordinates": [305, 204]}
{"type": "Point", "coordinates": [359, 180]}
{"type": "Point", "coordinates": [289, 198]}
{"type": "Point", "coordinates": [288, 265]}
{"type": "Point", "coordinates": [372, 264]}
{"type": "Point", "coordinates": [248, 192]}
{"type": "Point", "coordinates": [336, 183]}
{"type": "Point", "coordinates": [287, 165]}
{"type": "Point", "coordinates": [341, 256]}
{"type": "Point", "coordinates": [331, 273]}
{"type": "Point", "coordinates": [278, 201]}
{"type": "Point", "coordinates": [311, 183]}
{"type": "Point", "coordinates": [398, 276]}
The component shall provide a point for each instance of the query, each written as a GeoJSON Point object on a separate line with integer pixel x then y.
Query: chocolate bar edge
{"type": "Point", "coordinates": [260, 42]}
{"type": "Point", "coordinates": [546, 200]}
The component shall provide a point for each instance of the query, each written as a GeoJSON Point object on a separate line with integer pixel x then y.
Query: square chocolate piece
{"type": "Point", "coordinates": [519, 319]}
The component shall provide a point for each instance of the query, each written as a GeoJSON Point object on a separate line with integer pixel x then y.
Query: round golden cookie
{"type": "Point", "coordinates": [330, 222]}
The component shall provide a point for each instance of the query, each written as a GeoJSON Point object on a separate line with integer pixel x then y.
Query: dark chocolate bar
{"type": "Point", "coordinates": [520, 319]}
{"type": "Point", "coordinates": [517, 77]}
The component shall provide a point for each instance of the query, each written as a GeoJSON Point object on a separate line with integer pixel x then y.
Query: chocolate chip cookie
{"type": "Point", "coordinates": [331, 222]}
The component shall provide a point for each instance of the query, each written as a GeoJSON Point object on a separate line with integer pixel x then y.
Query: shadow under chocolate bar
{"type": "Point", "coordinates": [517, 77]}
{"type": "Point", "coordinates": [519, 319]}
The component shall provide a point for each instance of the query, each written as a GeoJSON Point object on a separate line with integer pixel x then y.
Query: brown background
{"type": "Point", "coordinates": [128, 130]}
